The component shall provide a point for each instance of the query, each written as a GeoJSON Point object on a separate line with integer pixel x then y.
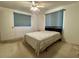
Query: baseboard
{"type": "Point", "coordinates": [12, 40]}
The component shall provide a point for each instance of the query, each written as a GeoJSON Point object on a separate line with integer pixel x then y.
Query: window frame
{"type": "Point", "coordinates": [55, 12]}
{"type": "Point", "coordinates": [24, 13]}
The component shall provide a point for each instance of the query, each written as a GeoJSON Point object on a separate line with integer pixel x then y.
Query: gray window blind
{"type": "Point", "coordinates": [54, 19]}
{"type": "Point", "coordinates": [22, 20]}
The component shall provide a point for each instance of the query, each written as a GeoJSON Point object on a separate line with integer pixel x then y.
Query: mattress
{"type": "Point", "coordinates": [42, 39]}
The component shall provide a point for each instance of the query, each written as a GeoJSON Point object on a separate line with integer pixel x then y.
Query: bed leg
{"type": "Point", "coordinates": [37, 53]}
{"type": "Point", "coordinates": [37, 49]}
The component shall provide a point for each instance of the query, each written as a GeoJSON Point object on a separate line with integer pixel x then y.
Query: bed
{"type": "Point", "coordinates": [40, 40]}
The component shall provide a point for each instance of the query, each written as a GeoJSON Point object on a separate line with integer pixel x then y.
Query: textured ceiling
{"type": "Point", "coordinates": [25, 5]}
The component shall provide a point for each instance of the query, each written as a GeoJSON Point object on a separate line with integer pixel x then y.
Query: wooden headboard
{"type": "Point", "coordinates": [54, 28]}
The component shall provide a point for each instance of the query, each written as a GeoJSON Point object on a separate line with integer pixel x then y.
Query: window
{"type": "Point", "coordinates": [22, 19]}
{"type": "Point", "coordinates": [54, 19]}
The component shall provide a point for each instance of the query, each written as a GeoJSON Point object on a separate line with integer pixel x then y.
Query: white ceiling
{"type": "Point", "coordinates": [25, 5]}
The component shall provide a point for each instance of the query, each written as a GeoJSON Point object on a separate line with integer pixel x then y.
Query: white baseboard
{"type": "Point", "coordinates": [11, 40]}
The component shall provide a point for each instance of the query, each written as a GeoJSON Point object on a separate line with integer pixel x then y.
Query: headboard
{"type": "Point", "coordinates": [54, 28]}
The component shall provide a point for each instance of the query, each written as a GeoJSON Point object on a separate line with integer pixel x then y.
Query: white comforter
{"type": "Point", "coordinates": [42, 39]}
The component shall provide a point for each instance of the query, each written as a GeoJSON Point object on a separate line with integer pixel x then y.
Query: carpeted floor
{"type": "Point", "coordinates": [19, 50]}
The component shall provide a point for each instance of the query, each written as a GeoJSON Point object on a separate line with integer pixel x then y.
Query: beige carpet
{"type": "Point", "coordinates": [19, 50]}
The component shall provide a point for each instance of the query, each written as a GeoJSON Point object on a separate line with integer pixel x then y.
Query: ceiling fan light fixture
{"type": "Point", "coordinates": [35, 9]}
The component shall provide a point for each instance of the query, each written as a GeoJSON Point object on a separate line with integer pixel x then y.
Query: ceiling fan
{"type": "Point", "coordinates": [36, 6]}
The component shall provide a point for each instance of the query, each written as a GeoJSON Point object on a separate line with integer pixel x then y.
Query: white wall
{"type": "Point", "coordinates": [5, 25]}
{"type": "Point", "coordinates": [71, 22]}
{"type": "Point", "coordinates": [38, 21]}
{"type": "Point", "coordinates": [41, 21]}
{"type": "Point", "coordinates": [0, 27]}
{"type": "Point", "coordinates": [7, 22]}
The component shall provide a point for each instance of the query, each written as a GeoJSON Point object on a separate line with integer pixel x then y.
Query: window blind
{"type": "Point", "coordinates": [54, 19]}
{"type": "Point", "coordinates": [22, 20]}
